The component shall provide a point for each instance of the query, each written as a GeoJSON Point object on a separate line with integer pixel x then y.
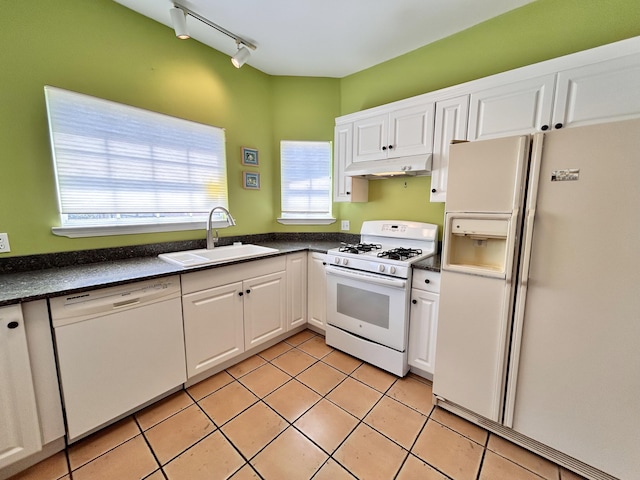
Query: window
{"type": "Point", "coordinates": [305, 169]}
{"type": "Point", "coordinates": [121, 169]}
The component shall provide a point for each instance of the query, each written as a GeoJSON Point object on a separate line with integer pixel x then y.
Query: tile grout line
{"type": "Point", "coordinates": [146, 441]}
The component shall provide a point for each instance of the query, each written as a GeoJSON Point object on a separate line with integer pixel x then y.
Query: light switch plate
{"type": "Point", "coordinates": [344, 225]}
{"type": "Point", "coordinates": [4, 243]}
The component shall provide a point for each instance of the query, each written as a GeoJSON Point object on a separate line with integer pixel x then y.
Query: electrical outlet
{"type": "Point", "coordinates": [4, 243]}
{"type": "Point", "coordinates": [345, 225]}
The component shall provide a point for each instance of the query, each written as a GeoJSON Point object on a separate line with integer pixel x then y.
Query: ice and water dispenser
{"type": "Point", "coordinates": [477, 244]}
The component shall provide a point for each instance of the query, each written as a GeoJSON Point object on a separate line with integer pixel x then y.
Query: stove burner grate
{"type": "Point", "coordinates": [400, 253]}
{"type": "Point", "coordinates": [359, 247]}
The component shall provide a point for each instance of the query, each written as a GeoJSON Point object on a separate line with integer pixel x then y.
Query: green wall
{"type": "Point", "coordinates": [538, 31]}
{"type": "Point", "coordinates": [303, 109]}
{"type": "Point", "coordinates": [103, 49]}
{"type": "Point", "coordinates": [106, 50]}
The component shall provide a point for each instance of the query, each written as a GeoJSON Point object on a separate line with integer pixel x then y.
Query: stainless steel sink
{"type": "Point", "coordinates": [203, 256]}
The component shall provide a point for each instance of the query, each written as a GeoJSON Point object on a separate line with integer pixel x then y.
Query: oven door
{"type": "Point", "coordinates": [368, 305]}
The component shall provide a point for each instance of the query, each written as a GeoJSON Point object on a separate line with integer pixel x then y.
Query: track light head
{"type": "Point", "coordinates": [241, 56]}
{"type": "Point", "coordinates": [179, 21]}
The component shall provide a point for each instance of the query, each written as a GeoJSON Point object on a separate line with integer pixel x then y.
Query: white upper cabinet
{"type": "Point", "coordinates": [516, 108]}
{"type": "Point", "coordinates": [451, 124]}
{"type": "Point", "coordinates": [399, 133]}
{"type": "Point", "coordinates": [593, 86]}
{"type": "Point", "coordinates": [602, 92]}
{"type": "Point", "coordinates": [345, 188]}
{"type": "Point", "coordinates": [371, 138]}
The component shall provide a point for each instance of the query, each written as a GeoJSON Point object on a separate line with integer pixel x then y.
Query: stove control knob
{"type": "Point", "coordinates": [337, 260]}
{"type": "Point", "coordinates": [392, 270]}
{"type": "Point", "coordinates": [381, 268]}
{"type": "Point", "coordinates": [345, 261]}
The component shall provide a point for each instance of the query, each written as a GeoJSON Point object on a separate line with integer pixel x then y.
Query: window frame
{"type": "Point", "coordinates": [152, 168]}
{"type": "Point", "coordinates": [308, 217]}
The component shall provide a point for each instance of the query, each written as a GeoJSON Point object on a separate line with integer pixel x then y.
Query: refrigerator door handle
{"type": "Point", "coordinates": [511, 249]}
{"type": "Point", "coordinates": [521, 294]}
{"type": "Point", "coordinates": [526, 248]}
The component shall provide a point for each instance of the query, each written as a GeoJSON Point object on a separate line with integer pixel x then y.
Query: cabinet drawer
{"type": "Point", "coordinates": [426, 280]}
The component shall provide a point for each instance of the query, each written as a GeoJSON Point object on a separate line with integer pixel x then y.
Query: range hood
{"type": "Point", "coordinates": [391, 167]}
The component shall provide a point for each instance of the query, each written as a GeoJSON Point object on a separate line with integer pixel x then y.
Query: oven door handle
{"type": "Point", "coordinates": [366, 277]}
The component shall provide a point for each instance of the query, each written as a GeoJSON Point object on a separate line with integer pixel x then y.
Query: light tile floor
{"type": "Point", "coordinates": [298, 410]}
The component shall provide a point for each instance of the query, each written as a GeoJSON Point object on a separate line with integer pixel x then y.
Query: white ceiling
{"type": "Point", "coordinates": [325, 38]}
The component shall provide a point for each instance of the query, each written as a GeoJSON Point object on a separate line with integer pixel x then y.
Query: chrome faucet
{"type": "Point", "coordinates": [211, 242]}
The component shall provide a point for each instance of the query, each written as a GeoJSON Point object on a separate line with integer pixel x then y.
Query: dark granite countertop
{"type": "Point", "coordinates": [431, 263]}
{"type": "Point", "coordinates": [61, 276]}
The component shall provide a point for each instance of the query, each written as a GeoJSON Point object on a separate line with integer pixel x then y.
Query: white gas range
{"type": "Point", "coordinates": [368, 289]}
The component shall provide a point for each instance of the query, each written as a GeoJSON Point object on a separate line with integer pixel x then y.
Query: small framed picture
{"type": "Point", "coordinates": [249, 156]}
{"type": "Point", "coordinates": [251, 180]}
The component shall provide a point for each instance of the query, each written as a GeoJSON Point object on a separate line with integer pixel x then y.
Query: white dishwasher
{"type": "Point", "coordinates": [117, 348]}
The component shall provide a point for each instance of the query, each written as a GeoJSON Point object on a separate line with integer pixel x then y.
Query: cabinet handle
{"type": "Point", "coordinates": [348, 193]}
{"type": "Point", "coordinates": [390, 147]}
{"type": "Point", "coordinates": [433, 190]}
{"type": "Point", "coordinates": [427, 280]}
{"type": "Point", "coordinates": [13, 325]}
{"type": "Point", "coordinates": [384, 147]}
{"type": "Point", "coordinates": [544, 128]}
{"type": "Point", "coordinates": [324, 263]}
{"type": "Point", "coordinates": [558, 125]}
{"type": "Point", "coordinates": [414, 301]}
{"type": "Point", "coordinates": [240, 294]}
{"type": "Point", "coordinates": [248, 291]}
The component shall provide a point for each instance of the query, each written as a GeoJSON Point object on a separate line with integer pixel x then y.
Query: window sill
{"type": "Point", "coordinates": [306, 221]}
{"type": "Point", "coordinates": [106, 230]}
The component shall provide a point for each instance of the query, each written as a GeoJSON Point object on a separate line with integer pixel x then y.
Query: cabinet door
{"type": "Point", "coordinates": [345, 188]}
{"type": "Point", "coordinates": [20, 429]}
{"type": "Point", "coordinates": [451, 124]}
{"type": "Point", "coordinates": [296, 290]}
{"type": "Point", "coordinates": [603, 92]}
{"type": "Point", "coordinates": [213, 326]}
{"type": "Point", "coordinates": [317, 288]}
{"type": "Point", "coordinates": [370, 137]}
{"type": "Point", "coordinates": [264, 308]}
{"type": "Point", "coordinates": [411, 131]}
{"type": "Point", "coordinates": [423, 324]}
{"type": "Point", "coordinates": [513, 109]}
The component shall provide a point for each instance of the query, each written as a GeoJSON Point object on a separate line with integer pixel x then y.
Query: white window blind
{"type": "Point", "coordinates": [120, 165]}
{"type": "Point", "coordinates": [306, 179]}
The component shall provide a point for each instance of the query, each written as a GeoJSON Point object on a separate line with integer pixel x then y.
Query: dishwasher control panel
{"type": "Point", "coordinates": [106, 300]}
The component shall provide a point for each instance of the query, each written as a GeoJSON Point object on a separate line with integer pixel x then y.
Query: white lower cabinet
{"type": "Point", "coordinates": [296, 290]}
{"type": "Point", "coordinates": [423, 321]}
{"type": "Point", "coordinates": [213, 326]}
{"type": "Point", "coordinates": [264, 308]}
{"type": "Point", "coordinates": [19, 424]}
{"type": "Point", "coordinates": [317, 290]}
{"type": "Point", "coordinates": [231, 309]}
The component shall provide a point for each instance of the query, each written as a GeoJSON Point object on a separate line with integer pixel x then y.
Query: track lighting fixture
{"type": "Point", "coordinates": [241, 56]}
{"type": "Point", "coordinates": [178, 19]}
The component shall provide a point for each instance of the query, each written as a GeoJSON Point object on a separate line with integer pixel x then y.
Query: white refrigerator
{"type": "Point", "coordinates": [539, 319]}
